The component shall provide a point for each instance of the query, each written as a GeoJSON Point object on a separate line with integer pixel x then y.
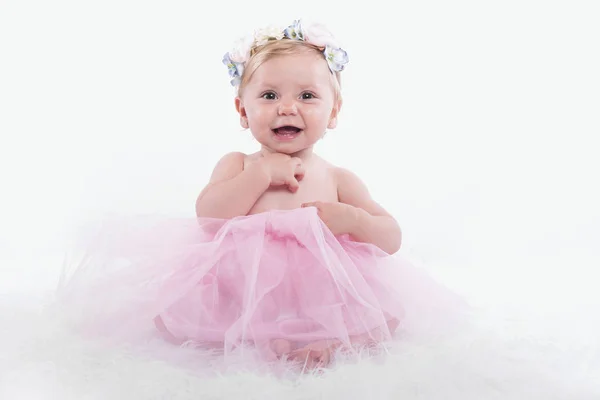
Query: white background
{"type": "Point", "coordinates": [475, 125]}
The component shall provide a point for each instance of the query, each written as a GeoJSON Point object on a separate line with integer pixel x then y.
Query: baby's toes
{"type": "Point", "coordinates": [311, 358]}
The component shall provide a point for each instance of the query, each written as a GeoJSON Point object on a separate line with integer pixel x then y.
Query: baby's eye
{"type": "Point", "coordinates": [269, 96]}
{"type": "Point", "coordinates": [307, 96]}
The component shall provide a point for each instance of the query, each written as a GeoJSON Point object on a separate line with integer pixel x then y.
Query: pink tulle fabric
{"type": "Point", "coordinates": [249, 280]}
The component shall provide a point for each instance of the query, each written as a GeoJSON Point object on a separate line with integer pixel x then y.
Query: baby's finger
{"type": "Point", "coordinates": [316, 204]}
{"type": "Point", "coordinates": [293, 185]}
{"type": "Point", "coordinates": [299, 172]}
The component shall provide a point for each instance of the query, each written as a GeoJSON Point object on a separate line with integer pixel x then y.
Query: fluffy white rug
{"type": "Point", "coordinates": [519, 351]}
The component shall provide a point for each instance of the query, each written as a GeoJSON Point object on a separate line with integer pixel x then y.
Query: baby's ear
{"type": "Point", "coordinates": [239, 106]}
{"type": "Point", "coordinates": [334, 115]}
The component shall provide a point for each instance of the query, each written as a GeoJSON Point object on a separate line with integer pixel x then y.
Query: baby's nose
{"type": "Point", "coordinates": [287, 108]}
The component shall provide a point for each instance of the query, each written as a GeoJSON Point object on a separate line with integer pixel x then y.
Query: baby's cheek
{"type": "Point", "coordinates": [318, 113]}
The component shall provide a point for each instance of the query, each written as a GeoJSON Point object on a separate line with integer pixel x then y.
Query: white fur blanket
{"type": "Point", "coordinates": [542, 348]}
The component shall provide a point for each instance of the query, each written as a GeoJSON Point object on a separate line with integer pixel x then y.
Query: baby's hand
{"type": "Point", "coordinates": [283, 170]}
{"type": "Point", "coordinates": [340, 218]}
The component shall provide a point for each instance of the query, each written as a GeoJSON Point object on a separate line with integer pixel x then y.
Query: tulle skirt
{"type": "Point", "coordinates": [249, 280]}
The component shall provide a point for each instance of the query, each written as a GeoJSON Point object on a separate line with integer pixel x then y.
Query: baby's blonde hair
{"type": "Point", "coordinates": [278, 48]}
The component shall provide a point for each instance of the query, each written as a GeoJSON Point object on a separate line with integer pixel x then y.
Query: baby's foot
{"type": "Point", "coordinates": [280, 347]}
{"type": "Point", "coordinates": [317, 354]}
{"type": "Point", "coordinates": [166, 334]}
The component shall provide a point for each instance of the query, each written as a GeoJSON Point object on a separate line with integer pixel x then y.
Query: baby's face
{"type": "Point", "coordinates": [289, 102]}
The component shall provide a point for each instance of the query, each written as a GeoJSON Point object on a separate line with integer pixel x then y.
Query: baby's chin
{"type": "Point", "coordinates": [295, 151]}
{"type": "Point", "coordinates": [301, 145]}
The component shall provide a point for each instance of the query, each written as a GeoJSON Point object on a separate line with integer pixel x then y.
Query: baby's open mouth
{"type": "Point", "coordinates": [286, 130]}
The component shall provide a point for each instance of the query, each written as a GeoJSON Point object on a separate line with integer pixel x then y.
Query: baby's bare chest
{"type": "Point", "coordinates": [313, 187]}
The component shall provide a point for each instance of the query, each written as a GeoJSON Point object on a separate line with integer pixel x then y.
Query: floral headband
{"type": "Point", "coordinates": [314, 34]}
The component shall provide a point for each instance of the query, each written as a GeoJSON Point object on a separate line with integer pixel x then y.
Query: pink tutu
{"type": "Point", "coordinates": [248, 280]}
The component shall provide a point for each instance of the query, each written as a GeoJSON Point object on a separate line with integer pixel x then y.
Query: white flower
{"type": "Point", "coordinates": [241, 50]}
{"type": "Point", "coordinates": [318, 35]}
{"type": "Point", "coordinates": [272, 32]}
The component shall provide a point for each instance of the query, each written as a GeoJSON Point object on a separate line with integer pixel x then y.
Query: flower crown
{"type": "Point", "coordinates": [314, 34]}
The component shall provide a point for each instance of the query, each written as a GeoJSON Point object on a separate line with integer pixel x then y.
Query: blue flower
{"type": "Point", "coordinates": [336, 58]}
{"type": "Point", "coordinates": [235, 69]}
{"type": "Point", "coordinates": [294, 31]}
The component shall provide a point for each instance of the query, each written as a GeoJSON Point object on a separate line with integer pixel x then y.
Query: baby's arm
{"type": "Point", "coordinates": [371, 222]}
{"type": "Point", "coordinates": [232, 190]}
